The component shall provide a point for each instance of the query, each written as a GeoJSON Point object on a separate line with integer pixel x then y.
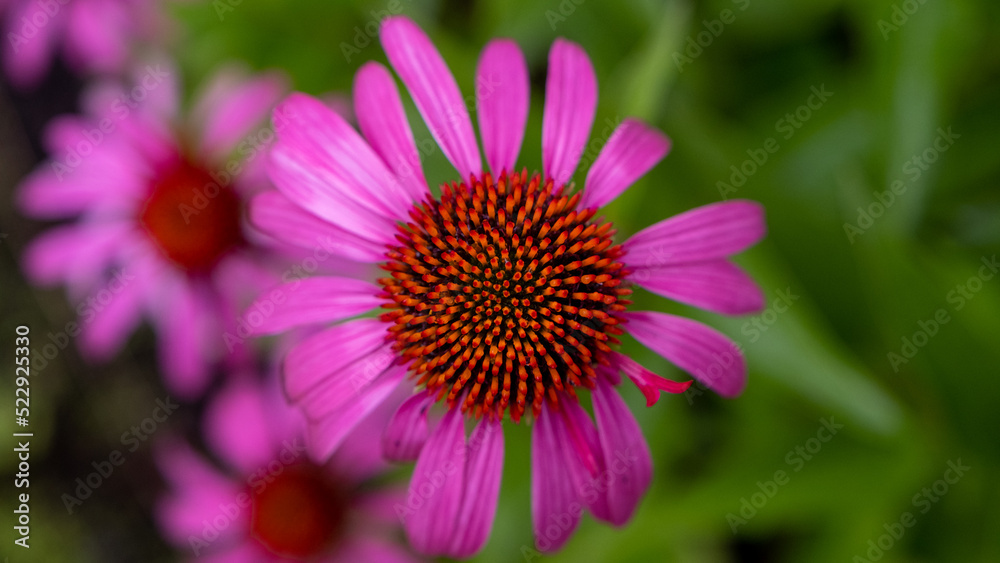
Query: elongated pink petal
{"type": "Point", "coordinates": [277, 216]}
{"type": "Point", "coordinates": [631, 151]}
{"type": "Point", "coordinates": [434, 90]}
{"type": "Point", "coordinates": [240, 427]}
{"type": "Point", "coordinates": [582, 457]}
{"type": "Point", "coordinates": [343, 386]}
{"type": "Point", "coordinates": [555, 508]}
{"type": "Point", "coordinates": [327, 434]}
{"type": "Point", "coordinates": [570, 105]}
{"type": "Point", "coordinates": [648, 382]}
{"type": "Point", "coordinates": [483, 470]}
{"type": "Point", "coordinates": [110, 315]}
{"type": "Point", "coordinates": [74, 251]}
{"type": "Point", "coordinates": [329, 169]}
{"type": "Point", "coordinates": [705, 233]}
{"type": "Point", "coordinates": [434, 497]}
{"type": "Point", "coordinates": [183, 339]}
{"type": "Point", "coordinates": [238, 108]}
{"type": "Point", "coordinates": [321, 299]}
{"type": "Point", "coordinates": [718, 286]}
{"type": "Point", "coordinates": [406, 433]}
{"type": "Point", "coordinates": [313, 360]}
{"type": "Point", "coordinates": [502, 103]}
{"type": "Point", "coordinates": [28, 52]}
{"type": "Point", "coordinates": [626, 454]}
{"type": "Point", "coordinates": [382, 120]}
{"type": "Point", "coordinates": [699, 350]}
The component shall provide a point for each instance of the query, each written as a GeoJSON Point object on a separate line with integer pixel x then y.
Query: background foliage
{"type": "Point", "coordinates": [842, 302]}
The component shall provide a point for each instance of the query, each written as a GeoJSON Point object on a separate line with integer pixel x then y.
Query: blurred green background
{"type": "Point", "coordinates": [855, 273]}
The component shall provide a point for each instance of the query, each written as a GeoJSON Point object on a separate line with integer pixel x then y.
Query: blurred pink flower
{"type": "Point", "coordinates": [158, 199]}
{"type": "Point", "coordinates": [93, 35]}
{"type": "Point", "coordinates": [505, 293]}
{"type": "Point", "coordinates": [271, 503]}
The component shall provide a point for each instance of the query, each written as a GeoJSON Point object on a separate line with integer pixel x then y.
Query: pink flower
{"type": "Point", "coordinates": [271, 503]}
{"type": "Point", "coordinates": [505, 295]}
{"type": "Point", "coordinates": [94, 35]}
{"type": "Point", "coordinates": [158, 200]}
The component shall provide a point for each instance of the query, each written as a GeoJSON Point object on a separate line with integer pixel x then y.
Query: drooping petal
{"type": "Point", "coordinates": [555, 509]}
{"type": "Point", "coordinates": [570, 106]}
{"type": "Point", "coordinates": [434, 90]}
{"type": "Point", "coordinates": [648, 382]}
{"type": "Point", "coordinates": [329, 169]}
{"type": "Point", "coordinates": [718, 285]}
{"type": "Point", "coordinates": [321, 299]}
{"type": "Point", "coordinates": [327, 434]}
{"type": "Point", "coordinates": [699, 350]}
{"type": "Point", "coordinates": [110, 315]}
{"type": "Point", "coordinates": [238, 426]}
{"type": "Point", "coordinates": [406, 432]}
{"type": "Point", "coordinates": [483, 470]}
{"type": "Point", "coordinates": [72, 252]}
{"type": "Point", "coordinates": [181, 323]}
{"type": "Point", "coordinates": [631, 151]}
{"type": "Point", "coordinates": [434, 497]}
{"type": "Point", "coordinates": [705, 233]}
{"type": "Point", "coordinates": [382, 120]}
{"type": "Point", "coordinates": [344, 385]}
{"type": "Point", "coordinates": [277, 216]}
{"type": "Point", "coordinates": [27, 58]}
{"type": "Point", "coordinates": [502, 103]}
{"type": "Point", "coordinates": [312, 361]}
{"type": "Point", "coordinates": [582, 457]}
{"type": "Point", "coordinates": [626, 454]}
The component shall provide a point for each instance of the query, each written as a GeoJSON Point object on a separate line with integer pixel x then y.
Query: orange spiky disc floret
{"type": "Point", "coordinates": [503, 293]}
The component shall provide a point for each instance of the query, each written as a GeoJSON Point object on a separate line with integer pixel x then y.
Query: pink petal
{"type": "Point", "coordinates": [705, 233]}
{"type": "Point", "coordinates": [434, 90]}
{"type": "Point", "coordinates": [344, 386]}
{"type": "Point", "coordinates": [198, 495]}
{"type": "Point", "coordinates": [631, 151]}
{"type": "Point", "coordinates": [234, 107]}
{"type": "Point", "coordinates": [483, 470]}
{"type": "Point", "coordinates": [570, 105]}
{"type": "Point", "coordinates": [181, 331]}
{"type": "Point", "coordinates": [279, 217]}
{"type": "Point", "coordinates": [626, 454]}
{"type": "Point", "coordinates": [96, 35]}
{"type": "Point", "coordinates": [238, 425]}
{"type": "Point", "coordinates": [321, 163]}
{"type": "Point", "coordinates": [382, 120]}
{"type": "Point", "coordinates": [312, 361]}
{"type": "Point", "coordinates": [29, 48]}
{"type": "Point", "coordinates": [699, 350]}
{"type": "Point", "coordinates": [555, 508]}
{"type": "Point", "coordinates": [434, 498]}
{"type": "Point", "coordinates": [582, 456]}
{"type": "Point", "coordinates": [73, 252]}
{"type": "Point", "coordinates": [502, 81]}
{"type": "Point", "coordinates": [648, 382]}
{"type": "Point", "coordinates": [321, 299]}
{"type": "Point", "coordinates": [110, 314]}
{"type": "Point", "coordinates": [718, 286]}
{"type": "Point", "coordinates": [327, 434]}
{"type": "Point", "coordinates": [406, 433]}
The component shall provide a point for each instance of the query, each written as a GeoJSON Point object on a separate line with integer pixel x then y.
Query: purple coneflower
{"type": "Point", "coordinates": [504, 295]}
{"type": "Point", "coordinates": [271, 503]}
{"type": "Point", "coordinates": [158, 200]}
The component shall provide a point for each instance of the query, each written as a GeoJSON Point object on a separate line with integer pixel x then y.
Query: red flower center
{"type": "Point", "coordinates": [504, 293]}
{"type": "Point", "coordinates": [191, 219]}
{"type": "Point", "coordinates": [298, 514]}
